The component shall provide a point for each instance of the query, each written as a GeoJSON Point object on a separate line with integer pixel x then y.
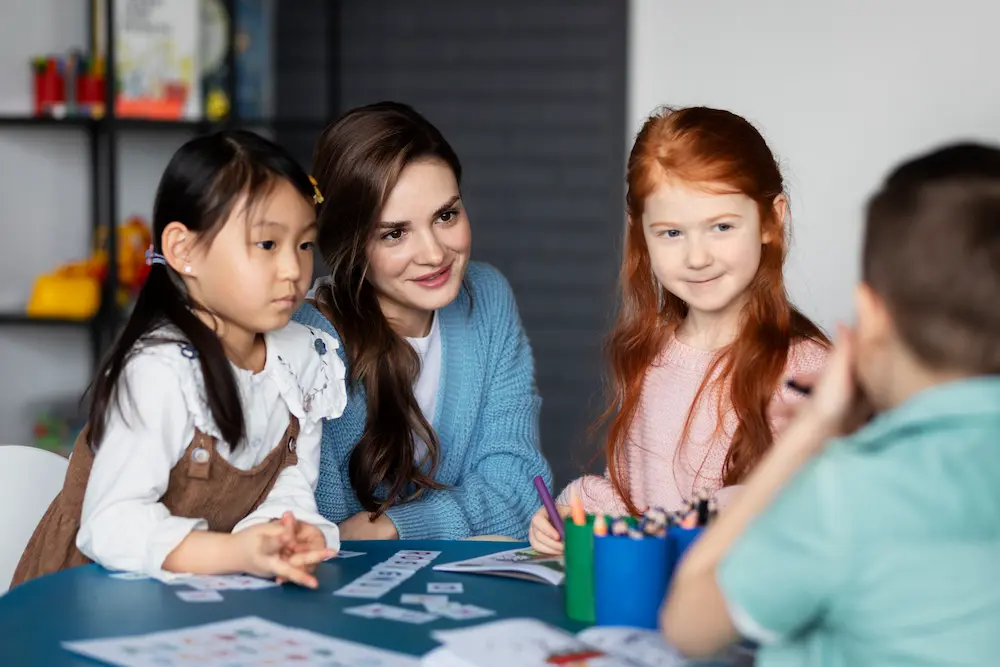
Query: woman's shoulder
{"type": "Point", "coordinates": [489, 292]}
{"type": "Point", "coordinates": [311, 317]}
{"type": "Point", "coordinates": [486, 277]}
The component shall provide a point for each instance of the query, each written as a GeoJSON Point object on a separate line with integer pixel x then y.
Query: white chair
{"type": "Point", "coordinates": [29, 480]}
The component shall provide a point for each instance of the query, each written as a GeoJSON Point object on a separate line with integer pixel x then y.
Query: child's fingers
{"type": "Point", "coordinates": [543, 526]}
{"type": "Point", "coordinates": [272, 538]}
{"type": "Point", "coordinates": [545, 538]}
{"type": "Point", "coordinates": [284, 570]}
{"type": "Point", "coordinates": [311, 557]}
{"type": "Point", "coordinates": [288, 523]}
{"type": "Point", "coordinates": [546, 545]}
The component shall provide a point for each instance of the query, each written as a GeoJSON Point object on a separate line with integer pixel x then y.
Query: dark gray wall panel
{"type": "Point", "coordinates": [531, 93]}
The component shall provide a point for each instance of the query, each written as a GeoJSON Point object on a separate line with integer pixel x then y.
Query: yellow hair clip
{"type": "Point", "coordinates": [318, 196]}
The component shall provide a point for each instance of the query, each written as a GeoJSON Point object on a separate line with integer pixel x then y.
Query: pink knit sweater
{"type": "Point", "coordinates": [659, 473]}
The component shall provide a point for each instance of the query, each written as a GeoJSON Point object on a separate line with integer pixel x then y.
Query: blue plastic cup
{"type": "Point", "coordinates": [630, 580]}
{"type": "Point", "coordinates": [679, 539]}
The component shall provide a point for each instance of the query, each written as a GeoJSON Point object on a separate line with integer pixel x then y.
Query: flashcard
{"type": "Point", "coordinates": [445, 587]}
{"type": "Point", "coordinates": [349, 554]}
{"type": "Point", "coordinates": [389, 573]}
{"type": "Point", "coordinates": [391, 613]}
{"type": "Point", "coordinates": [464, 612]}
{"type": "Point", "coordinates": [402, 567]}
{"type": "Point", "coordinates": [354, 590]}
{"type": "Point", "coordinates": [405, 563]}
{"type": "Point", "coordinates": [200, 596]}
{"type": "Point", "coordinates": [227, 582]}
{"type": "Point", "coordinates": [375, 610]}
{"type": "Point", "coordinates": [434, 605]}
{"type": "Point", "coordinates": [386, 575]}
{"type": "Point", "coordinates": [128, 576]}
{"type": "Point", "coordinates": [415, 617]}
{"type": "Point", "coordinates": [246, 642]}
{"type": "Point", "coordinates": [419, 598]}
{"type": "Point", "coordinates": [429, 555]}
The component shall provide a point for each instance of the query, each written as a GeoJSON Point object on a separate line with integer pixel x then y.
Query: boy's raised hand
{"type": "Point", "coordinates": [836, 401]}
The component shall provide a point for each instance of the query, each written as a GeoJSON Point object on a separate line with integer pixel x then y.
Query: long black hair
{"type": "Point", "coordinates": [357, 162]}
{"type": "Point", "coordinates": [205, 179]}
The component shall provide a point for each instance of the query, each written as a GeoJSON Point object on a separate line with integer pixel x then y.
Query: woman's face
{"type": "Point", "coordinates": [420, 249]}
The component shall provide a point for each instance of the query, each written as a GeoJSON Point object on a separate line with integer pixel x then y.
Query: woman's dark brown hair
{"type": "Point", "coordinates": [357, 163]}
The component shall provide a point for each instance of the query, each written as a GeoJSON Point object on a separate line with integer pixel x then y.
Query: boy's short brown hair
{"type": "Point", "coordinates": [932, 252]}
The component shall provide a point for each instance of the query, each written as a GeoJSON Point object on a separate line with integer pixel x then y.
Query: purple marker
{"type": "Point", "coordinates": [550, 506]}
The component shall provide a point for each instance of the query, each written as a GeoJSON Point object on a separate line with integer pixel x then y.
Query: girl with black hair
{"type": "Point", "coordinates": [201, 452]}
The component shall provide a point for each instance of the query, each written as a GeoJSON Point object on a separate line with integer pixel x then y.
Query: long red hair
{"type": "Point", "coordinates": [718, 149]}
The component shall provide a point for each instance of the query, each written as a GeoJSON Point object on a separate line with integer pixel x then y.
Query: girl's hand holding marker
{"type": "Point", "coordinates": [546, 532]}
{"type": "Point", "coordinates": [545, 538]}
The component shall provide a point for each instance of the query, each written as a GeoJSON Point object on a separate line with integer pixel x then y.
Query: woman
{"type": "Point", "coordinates": [439, 439]}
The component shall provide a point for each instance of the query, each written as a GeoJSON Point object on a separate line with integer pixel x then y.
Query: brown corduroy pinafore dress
{"type": "Point", "coordinates": [202, 485]}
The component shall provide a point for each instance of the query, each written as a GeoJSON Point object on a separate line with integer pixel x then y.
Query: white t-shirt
{"type": "Point", "coordinates": [124, 525]}
{"type": "Point", "coordinates": [426, 387]}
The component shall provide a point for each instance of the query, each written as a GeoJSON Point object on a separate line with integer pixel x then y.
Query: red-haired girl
{"type": "Point", "coordinates": [705, 336]}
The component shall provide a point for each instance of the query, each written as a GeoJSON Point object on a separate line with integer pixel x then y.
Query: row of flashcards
{"type": "Point", "coordinates": [388, 574]}
{"type": "Point", "coordinates": [435, 606]}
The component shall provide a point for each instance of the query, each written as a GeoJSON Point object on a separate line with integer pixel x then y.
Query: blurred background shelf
{"type": "Point", "coordinates": [531, 94]}
{"type": "Point", "coordinates": [13, 120]}
{"type": "Point", "coordinates": [25, 320]}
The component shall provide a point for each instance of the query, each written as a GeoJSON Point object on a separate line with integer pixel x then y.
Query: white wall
{"type": "Point", "coordinates": [841, 89]}
{"type": "Point", "coordinates": [45, 210]}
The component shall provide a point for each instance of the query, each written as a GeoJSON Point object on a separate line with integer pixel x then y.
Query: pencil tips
{"type": "Point", "coordinates": [600, 525]}
{"type": "Point", "coordinates": [576, 509]}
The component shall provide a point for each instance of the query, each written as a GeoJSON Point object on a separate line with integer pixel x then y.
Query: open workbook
{"type": "Point", "coordinates": [527, 642]}
{"type": "Point", "coordinates": [518, 563]}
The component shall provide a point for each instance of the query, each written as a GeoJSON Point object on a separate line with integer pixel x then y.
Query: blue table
{"type": "Point", "coordinates": [85, 603]}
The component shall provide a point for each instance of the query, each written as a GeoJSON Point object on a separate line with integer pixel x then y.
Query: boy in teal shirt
{"type": "Point", "coordinates": [879, 546]}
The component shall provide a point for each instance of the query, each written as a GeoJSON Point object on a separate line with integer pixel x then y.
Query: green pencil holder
{"type": "Point", "coordinates": [579, 583]}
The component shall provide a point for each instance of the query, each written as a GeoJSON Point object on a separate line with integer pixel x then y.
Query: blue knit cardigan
{"type": "Point", "coordinates": [486, 419]}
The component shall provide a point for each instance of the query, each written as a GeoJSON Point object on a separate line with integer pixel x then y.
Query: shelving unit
{"type": "Point", "coordinates": [299, 114]}
{"type": "Point", "coordinates": [103, 137]}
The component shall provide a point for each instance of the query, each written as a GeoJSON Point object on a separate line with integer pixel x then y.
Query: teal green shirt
{"type": "Point", "coordinates": [885, 549]}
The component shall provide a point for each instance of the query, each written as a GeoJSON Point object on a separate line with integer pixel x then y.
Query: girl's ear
{"type": "Point", "coordinates": [779, 210]}
{"type": "Point", "coordinates": [177, 242]}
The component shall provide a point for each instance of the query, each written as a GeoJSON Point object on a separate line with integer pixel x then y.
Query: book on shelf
{"type": "Point", "coordinates": [171, 58]}
{"type": "Point", "coordinates": [157, 45]}
{"type": "Point", "coordinates": [253, 56]}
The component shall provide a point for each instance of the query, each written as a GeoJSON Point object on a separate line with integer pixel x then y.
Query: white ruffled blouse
{"type": "Point", "coordinates": [123, 525]}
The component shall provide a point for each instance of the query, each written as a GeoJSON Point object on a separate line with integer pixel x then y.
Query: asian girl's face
{"type": "Point", "coordinates": [253, 275]}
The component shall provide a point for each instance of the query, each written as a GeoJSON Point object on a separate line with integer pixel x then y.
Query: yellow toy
{"type": "Point", "coordinates": [73, 291]}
